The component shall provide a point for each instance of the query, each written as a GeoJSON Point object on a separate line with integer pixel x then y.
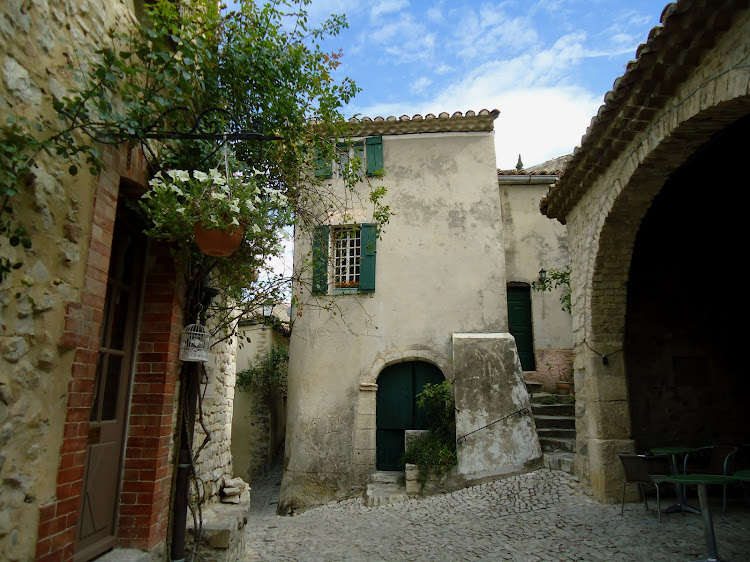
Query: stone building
{"type": "Point", "coordinates": [426, 301]}
{"type": "Point", "coordinates": [88, 365]}
{"type": "Point", "coordinates": [533, 245]}
{"type": "Point", "coordinates": [655, 227]}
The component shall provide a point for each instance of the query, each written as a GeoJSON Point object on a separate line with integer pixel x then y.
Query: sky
{"type": "Point", "coordinates": [545, 64]}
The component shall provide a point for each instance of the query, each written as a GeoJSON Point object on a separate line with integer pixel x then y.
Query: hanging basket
{"type": "Point", "coordinates": [194, 344]}
{"type": "Point", "coordinates": [218, 243]}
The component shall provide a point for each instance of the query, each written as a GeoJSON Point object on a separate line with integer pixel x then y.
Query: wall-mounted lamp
{"type": "Point", "coordinates": [542, 274]}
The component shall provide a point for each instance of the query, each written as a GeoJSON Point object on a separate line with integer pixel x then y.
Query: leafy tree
{"type": "Point", "coordinates": [188, 87]}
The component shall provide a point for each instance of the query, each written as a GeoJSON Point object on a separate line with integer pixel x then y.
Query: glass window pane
{"type": "Point", "coordinates": [119, 319]}
{"type": "Point", "coordinates": [111, 388]}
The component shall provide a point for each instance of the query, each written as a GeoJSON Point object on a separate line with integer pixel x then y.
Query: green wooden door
{"type": "Point", "coordinates": [397, 409]}
{"type": "Point", "coordinates": [519, 324]}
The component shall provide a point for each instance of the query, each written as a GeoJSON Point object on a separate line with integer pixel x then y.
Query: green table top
{"type": "Point", "coordinates": [673, 450]}
{"type": "Point", "coordinates": [699, 479]}
{"type": "Point", "coordinates": [742, 475]}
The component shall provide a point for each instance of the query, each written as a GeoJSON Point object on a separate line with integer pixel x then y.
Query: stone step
{"type": "Point", "coordinates": [560, 461]}
{"type": "Point", "coordinates": [533, 387]}
{"type": "Point", "coordinates": [388, 477]}
{"type": "Point", "coordinates": [551, 432]}
{"type": "Point", "coordinates": [553, 409]}
{"type": "Point", "coordinates": [378, 494]}
{"type": "Point", "coordinates": [559, 422]}
{"type": "Point", "coordinates": [542, 397]}
{"type": "Point", "coordinates": [552, 444]}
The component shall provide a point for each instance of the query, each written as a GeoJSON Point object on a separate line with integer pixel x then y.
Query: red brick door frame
{"type": "Point", "coordinates": [146, 475]}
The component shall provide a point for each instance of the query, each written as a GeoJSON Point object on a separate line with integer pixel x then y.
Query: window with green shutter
{"type": "Point", "coordinates": [370, 152]}
{"type": "Point", "coordinates": [350, 250]}
{"type": "Point", "coordinates": [374, 155]}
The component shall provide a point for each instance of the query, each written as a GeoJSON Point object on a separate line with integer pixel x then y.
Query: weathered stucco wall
{"type": "Point", "coordinates": [533, 242]}
{"type": "Point", "coordinates": [705, 96]}
{"type": "Point", "coordinates": [489, 386]}
{"type": "Point", "coordinates": [440, 270]}
{"type": "Point", "coordinates": [57, 209]}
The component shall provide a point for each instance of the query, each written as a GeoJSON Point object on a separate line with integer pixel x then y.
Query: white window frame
{"type": "Point", "coordinates": [346, 256]}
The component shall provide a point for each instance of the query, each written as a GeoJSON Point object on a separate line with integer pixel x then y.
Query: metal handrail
{"type": "Point", "coordinates": [518, 413]}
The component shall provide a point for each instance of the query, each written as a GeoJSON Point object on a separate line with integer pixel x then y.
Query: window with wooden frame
{"type": "Point", "coordinates": [370, 150]}
{"type": "Point", "coordinates": [344, 259]}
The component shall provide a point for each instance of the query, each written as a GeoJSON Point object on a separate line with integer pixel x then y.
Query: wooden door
{"type": "Point", "coordinates": [397, 410]}
{"type": "Point", "coordinates": [520, 325]}
{"type": "Point", "coordinates": [96, 526]}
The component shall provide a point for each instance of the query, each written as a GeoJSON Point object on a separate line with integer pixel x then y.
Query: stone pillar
{"type": "Point", "coordinates": [488, 386]}
{"type": "Point", "coordinates": [363, 464]}
{"type": "Point", "coordinates": [606, 430]}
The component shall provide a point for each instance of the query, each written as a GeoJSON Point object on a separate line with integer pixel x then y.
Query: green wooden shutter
{"type": "Point", "coordinates": [374, 153]}
{"type": "Point", "coordinates": [323, 167]}
{"type": "Point", "coordinates": [320, 260]}
{"type": "Point", "coordinates": [367, 259]}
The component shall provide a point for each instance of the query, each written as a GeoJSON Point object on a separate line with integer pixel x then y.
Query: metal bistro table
{"type": "Point", "coordinates": [703, 480]}
{"type": "Point", "coordinates": [673, 452]}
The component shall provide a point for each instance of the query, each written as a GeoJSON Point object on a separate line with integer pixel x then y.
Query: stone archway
{"type": "Point", "coordinates": [684, 315]}
{"type": "Point", "coordinates": [604, 423]}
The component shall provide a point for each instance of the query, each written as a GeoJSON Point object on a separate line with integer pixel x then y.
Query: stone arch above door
{"type": "Point", "coordinates": [387, 358]}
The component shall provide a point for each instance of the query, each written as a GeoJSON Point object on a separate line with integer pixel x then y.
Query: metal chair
{"type": "Point", "coordinates": [714, 459]}
{"type": "Point", "coordinates": [639, 470]}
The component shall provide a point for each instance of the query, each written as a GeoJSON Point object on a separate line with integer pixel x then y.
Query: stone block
{"type": "Point", "coordinates": [604, 467]}
{"type": "Point", "coordinates": [491, 395]}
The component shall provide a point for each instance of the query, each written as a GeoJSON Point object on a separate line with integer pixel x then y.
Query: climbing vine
{"type": "Point", "coordinates": [435, 452]}
{"type": "Point", "coordinates": [553, 279]}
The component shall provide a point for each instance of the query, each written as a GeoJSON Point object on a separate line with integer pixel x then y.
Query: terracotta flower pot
{"type": "Point", "coordinates": [218, 243]}
{"type": "Point", "coordinates": [564, 387]}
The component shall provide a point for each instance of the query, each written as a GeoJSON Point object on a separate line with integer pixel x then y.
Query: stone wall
{"type": "Point", "coordinates": [699, 95]}
{"type": "Point", "coordinates": [214, 463]}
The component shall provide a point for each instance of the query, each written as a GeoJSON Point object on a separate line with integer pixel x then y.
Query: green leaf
{"type": "Point", "coordinates": [73, 170]}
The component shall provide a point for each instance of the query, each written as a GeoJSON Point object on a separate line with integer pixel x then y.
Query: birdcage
{"type": "Point", "coordinates": [194, 344]}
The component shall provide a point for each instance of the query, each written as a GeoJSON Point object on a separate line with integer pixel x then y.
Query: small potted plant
{"type": "Point", "coordinates": [206, 207]}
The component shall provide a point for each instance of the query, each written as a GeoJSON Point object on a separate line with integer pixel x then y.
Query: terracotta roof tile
{"type": "Point", "coordinates": [442, 123]}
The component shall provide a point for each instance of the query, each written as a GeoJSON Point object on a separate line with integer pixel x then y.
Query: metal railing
{"type": "Point", "coordinates": [518, 413]}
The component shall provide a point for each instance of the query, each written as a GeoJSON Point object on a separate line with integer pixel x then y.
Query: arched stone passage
{"type": "Point", "coordinates": [685, 308]}
{"type": "Point", "coordinates": [604, 428]}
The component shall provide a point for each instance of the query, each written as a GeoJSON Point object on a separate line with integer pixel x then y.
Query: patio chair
{"type": "Point", "coordinates": [639, 470]}
{"type": "Point", "coordinates": [714, 459]}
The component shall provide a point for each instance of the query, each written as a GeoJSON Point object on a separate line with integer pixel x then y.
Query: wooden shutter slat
{"type": "Point", "coordinates": [320, 260]}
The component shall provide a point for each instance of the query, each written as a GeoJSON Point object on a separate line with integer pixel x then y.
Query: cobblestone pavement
{"type": "Point", "coordinates": [537, 516]}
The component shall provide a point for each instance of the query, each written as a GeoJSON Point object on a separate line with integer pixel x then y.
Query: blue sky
{"type": "Point", "coordinates": [545, 64]}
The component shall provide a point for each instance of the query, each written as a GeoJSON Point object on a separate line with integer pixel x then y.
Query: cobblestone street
{"type": "Point", "coordinates": [530, 517]}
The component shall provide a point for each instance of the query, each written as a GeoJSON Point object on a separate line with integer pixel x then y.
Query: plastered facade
{"type": "Point", "coordinates": [691, 80]}
{"type": "Point", "coordinates": [532, 242]}
{"type": "Point", "coordinates": [440, 270]}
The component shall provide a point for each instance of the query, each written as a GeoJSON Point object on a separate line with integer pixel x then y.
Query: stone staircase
{"type": "Point", "coordinates": [556, 427]}
{"type": "Point", "coordinates": [386, 488]}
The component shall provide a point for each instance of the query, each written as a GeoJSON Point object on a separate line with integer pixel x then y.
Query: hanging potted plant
{"type": "Point", "coordinates": [208, 208]}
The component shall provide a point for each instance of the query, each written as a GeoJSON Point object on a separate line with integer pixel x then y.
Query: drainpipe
{"type": "Point", "coordinates": [527, 179]}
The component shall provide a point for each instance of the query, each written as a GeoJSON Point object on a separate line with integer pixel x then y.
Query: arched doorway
{"type": "Point", "coordinates": [397, 410]}
{"type": "Point", "coordinates": [686, 306]}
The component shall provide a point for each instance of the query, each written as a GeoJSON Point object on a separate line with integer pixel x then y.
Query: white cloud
{"type": "Point", "coordinates": [419, 84]}
{"type": "Point", "coordinates": [542, 114]}
{"type": "Point", "coordinates": [387, 6]}
{"type": "Point", "coordinates": [405, 40]}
